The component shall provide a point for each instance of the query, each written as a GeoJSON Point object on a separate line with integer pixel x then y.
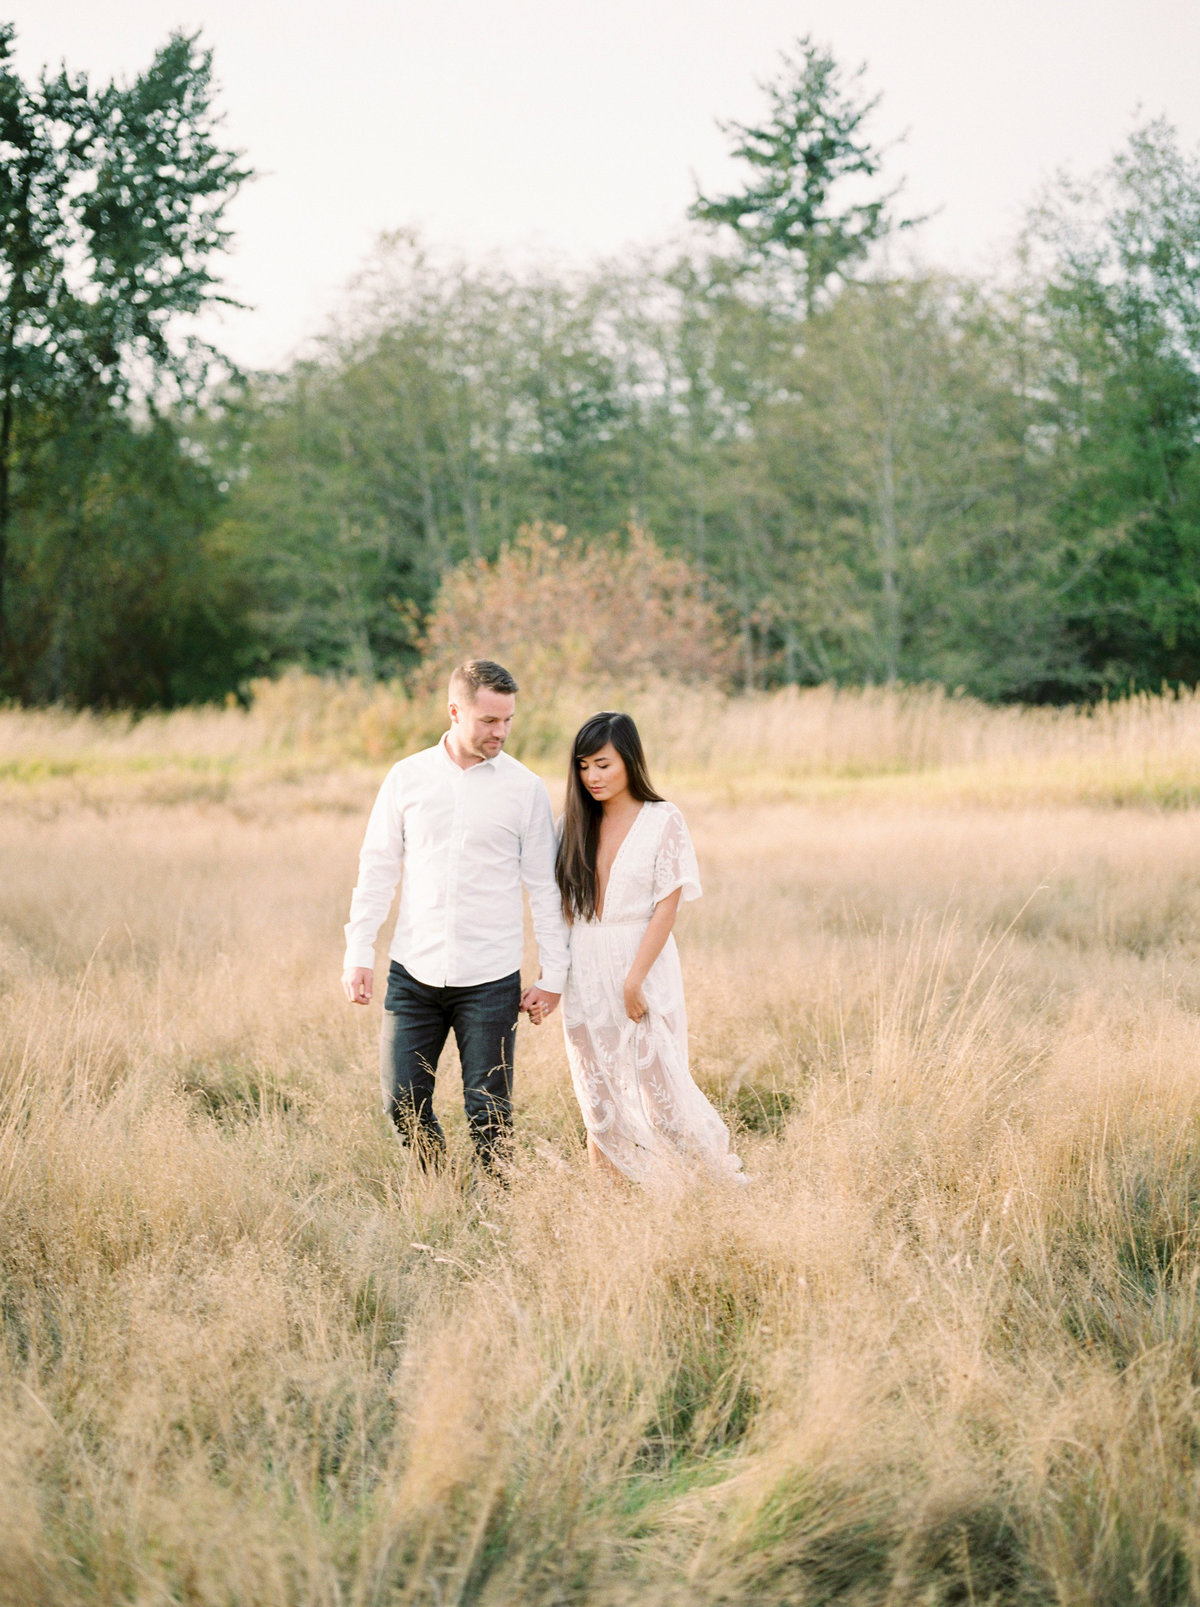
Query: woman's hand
{"type": "Point", "coordinates": [635, 1000]}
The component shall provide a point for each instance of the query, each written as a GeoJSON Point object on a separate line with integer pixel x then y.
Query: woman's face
{"type": "Point", "coordinates": [603, 774]}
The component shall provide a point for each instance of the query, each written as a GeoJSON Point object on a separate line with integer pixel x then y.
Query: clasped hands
{"type": "Point", "coordinates": [538, 1004]}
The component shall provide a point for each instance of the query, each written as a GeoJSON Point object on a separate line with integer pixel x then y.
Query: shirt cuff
{"type": "Point", "coordinates": [358, 959]}
{"type": "Point", "coordinates": [552, 981]}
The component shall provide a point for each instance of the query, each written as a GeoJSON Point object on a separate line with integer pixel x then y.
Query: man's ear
{"type": "Point", "coordinates": [453, 709]}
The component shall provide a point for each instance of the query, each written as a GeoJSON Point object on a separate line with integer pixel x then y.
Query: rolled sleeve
{"type": "Point", "coordinates": [380, 862]}
{"type": "Point", "coordinates": [537, 873]}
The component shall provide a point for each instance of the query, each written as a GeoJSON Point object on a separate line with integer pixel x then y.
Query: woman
{"type": "Point", "coordinates": [625, 861]}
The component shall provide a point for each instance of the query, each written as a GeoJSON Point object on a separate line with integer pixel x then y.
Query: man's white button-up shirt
{"type": "Point", "coordinates": [466, 841]}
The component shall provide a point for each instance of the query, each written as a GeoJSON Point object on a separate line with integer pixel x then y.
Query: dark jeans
{"type": "Point", "coordinates": [416, 1023]}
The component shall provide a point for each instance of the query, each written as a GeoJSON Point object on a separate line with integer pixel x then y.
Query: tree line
{"type": "Point", "coordinates": [868, 470]}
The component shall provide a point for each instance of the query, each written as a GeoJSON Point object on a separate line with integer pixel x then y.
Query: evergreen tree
{"type": "Point", "coordinates": [794, 211]}
{"type": "Point", "coordinates": [1122, 310]}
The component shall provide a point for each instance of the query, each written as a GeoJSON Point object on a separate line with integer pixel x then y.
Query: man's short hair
{"type": "Point", "coordinates": [467, 679]}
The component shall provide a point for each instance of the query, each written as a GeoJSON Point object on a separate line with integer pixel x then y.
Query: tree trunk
{"type": "Point", "coordinates": [7, 666]}
{"type": "Point", "coordinates": [889, 552]}
{"type": "Point", "coordinates": [358, 637]}
{"type": "Point", "coordinates": [749, 675]}
{"type": "Point", "coordinates": [789, 654]}
{"type": "Point", "coordinates": [86, 454]}
{"type": "Point", "coordinates": [433, 534]}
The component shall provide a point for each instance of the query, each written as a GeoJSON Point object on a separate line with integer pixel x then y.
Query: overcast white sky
{"type": "Point", "coordinates": [578, 127]}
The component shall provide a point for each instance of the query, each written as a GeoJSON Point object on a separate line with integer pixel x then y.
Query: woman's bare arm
{"type": "Point", "coordinates": [653, 941]}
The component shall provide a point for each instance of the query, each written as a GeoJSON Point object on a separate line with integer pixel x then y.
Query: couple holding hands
{"type": "Point", "coordinates": [463, 826]}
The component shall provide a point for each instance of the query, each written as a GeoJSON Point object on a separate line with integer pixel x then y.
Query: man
{"type": "Point", "coordinates": [468, 825]}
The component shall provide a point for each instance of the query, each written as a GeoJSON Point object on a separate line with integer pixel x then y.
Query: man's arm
{"type": "Point", "coordinates": [552, 933]}
{"type": "Point", "coordinates": [379, 865]}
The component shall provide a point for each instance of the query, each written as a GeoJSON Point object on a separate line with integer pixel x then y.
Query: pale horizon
{"type": "Point", "coordinates": [580, 134]}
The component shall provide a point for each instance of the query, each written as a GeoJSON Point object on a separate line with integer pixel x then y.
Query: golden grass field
{"type": "Point", "coordinates": [945, 984]}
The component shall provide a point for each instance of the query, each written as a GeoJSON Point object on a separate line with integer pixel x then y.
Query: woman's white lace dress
{"type": "Point", "coordinates": [632, 1081]}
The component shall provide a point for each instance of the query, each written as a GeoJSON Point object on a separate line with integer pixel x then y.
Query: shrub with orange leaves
{"type": "Point", "coordinates": [551, 607]}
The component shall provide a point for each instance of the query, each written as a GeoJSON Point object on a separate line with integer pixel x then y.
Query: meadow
{"type": "Point", "coordinates": [945, 986]}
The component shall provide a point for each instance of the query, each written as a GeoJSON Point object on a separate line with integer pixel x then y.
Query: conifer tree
{"type": "Point", "coordinates": [794, 212]}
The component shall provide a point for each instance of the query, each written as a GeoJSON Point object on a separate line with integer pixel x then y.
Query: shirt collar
{"type": "Point", "coordinates": [446, 754]}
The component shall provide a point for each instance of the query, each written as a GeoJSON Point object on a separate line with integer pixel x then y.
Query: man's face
{"type": "Point", "coordinates": [480, 729]}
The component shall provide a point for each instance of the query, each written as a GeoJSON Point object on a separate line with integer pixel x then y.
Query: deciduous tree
{"type": "Point", "coordinates": [112, 213]}
{"type": "Point", "coordinates": [553, 607]}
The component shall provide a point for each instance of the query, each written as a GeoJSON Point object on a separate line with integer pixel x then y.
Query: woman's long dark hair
{"type": "Point", "coordinates": [575, 867]}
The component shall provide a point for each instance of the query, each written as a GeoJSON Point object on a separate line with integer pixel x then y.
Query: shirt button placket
{"type": "Point", "coordinates": [452, 878]}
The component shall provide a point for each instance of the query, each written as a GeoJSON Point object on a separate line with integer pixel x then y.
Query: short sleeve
{"type": "Point", "coordinates": [675, 862]}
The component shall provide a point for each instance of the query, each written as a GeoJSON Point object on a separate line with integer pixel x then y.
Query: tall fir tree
{"type": "Point", "coordinates": [795, 212]}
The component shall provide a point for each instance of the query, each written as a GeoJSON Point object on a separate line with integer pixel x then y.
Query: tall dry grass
{"type": "Point", "coordinates": [945, 1348]}
{"type": "Point", "coordinates": [812, 742]}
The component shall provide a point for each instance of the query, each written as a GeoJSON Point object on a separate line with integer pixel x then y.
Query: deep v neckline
{"type": "Point", "coordinates": [612, 869]}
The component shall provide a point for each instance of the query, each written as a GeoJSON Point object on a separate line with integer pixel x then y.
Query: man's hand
{"type": "Point", "coordinates": [357, 984]}
{"type": "Point", "coordinates": [539, 1003]}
